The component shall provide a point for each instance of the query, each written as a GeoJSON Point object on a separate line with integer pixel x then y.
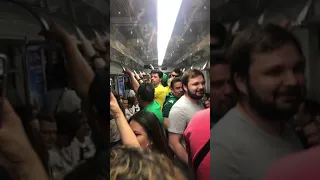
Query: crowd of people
{"type": "Point", "coordinates": [163, 127]}
{"type": "Point", "coordinates": [145, 139]}
{"type": "Point", "coordinates": [165, 109]}
{"type": "Point", "coordinates": [262, 120]}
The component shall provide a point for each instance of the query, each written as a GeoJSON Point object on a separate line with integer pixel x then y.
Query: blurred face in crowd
{"type": "Point", "coordinates": [177, 90]}
{"type": "Point", "coordinates": [84, 128]}
{"type": "Point", "coordinates": [174, 74]}
{"type": "Point", "coordinates": [48, 131]}
{"type": "Point", "coordinates": [206, 101]}
{"type": "Point", "coordinates": [140, 133]}
{"type": "Point", "coordinates": [155, 79]}
{"type": "Point", "coordinates": [221, 90]}
{"type": "Point", "coordinates": [136, 102]}
{"type": "Point", "coordinates": [125, 103]}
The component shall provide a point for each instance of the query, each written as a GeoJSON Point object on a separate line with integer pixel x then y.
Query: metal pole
{"type": "Point", "coordinates": [25, 70]}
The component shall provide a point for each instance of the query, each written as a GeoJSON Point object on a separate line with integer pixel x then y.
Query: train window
{"type": "Point", "coordinates": [56, 74]}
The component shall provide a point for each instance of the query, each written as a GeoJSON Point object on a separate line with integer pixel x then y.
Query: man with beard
{"type": "Point", "coordinates": [267, 70]}
{"type": "Point", "coordinates": [182, 111]}
{"type": "Point", "coordinates": [197, 133]}
{"type": "Point", "coordinates": [172, 98]}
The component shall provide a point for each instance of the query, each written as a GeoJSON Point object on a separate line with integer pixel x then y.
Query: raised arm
{"type": "Point", "coordinates": [127, 135]}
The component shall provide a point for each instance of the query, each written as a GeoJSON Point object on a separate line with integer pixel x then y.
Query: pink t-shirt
{"type": "Point", "coordinates": [303, 165]}
{"type": "Point", "coordinates": [196, 136]}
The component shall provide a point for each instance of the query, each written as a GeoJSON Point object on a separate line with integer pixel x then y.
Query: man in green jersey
{"type": "Point", "coordinates": [172, 97]}
{"type": "Point", "coordinates": [147, 102]}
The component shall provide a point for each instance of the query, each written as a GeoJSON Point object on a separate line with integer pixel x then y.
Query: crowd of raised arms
{"type": "Point", "coordinates": [162, 128]}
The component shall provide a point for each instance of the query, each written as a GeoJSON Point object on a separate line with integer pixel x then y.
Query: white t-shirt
{"type": "Point", "coordinates": [128, 113]}
{"type": "Point", "coordinates": [63, 161]}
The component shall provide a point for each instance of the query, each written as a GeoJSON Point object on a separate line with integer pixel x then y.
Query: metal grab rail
{"type": "Point", "coordinates": [37, 16]}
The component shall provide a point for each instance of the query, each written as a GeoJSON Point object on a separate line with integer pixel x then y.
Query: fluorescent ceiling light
{"type": "Point", "coordinates": [167, 12]}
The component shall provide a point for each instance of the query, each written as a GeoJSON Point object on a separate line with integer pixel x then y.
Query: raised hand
{"type": "Point", "coordinates": [86, 44]}
{"type": "Point", "coordinates": [114, 106]}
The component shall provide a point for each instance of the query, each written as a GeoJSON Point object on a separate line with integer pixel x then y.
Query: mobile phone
{"type": "Point", "coordinates": [3, 81]}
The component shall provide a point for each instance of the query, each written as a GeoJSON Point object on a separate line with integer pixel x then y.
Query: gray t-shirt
{"type": "Point", "coordinates": [242, 151]}
{"type": "Point", "coordinates": [180, 115]}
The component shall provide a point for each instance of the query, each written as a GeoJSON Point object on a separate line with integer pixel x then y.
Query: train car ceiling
{"type": "Point", "coordinates": [134, 25]}
{"type": "Point", "coordinates": [304, 15]}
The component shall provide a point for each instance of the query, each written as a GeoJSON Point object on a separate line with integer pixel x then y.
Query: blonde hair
{"type": "Point", "coordinates": [141, 164]}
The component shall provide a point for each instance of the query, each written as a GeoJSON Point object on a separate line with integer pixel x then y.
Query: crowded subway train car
{"type": "Point", "coordinates": [160, 77]}
{"type": "Point", "coordinates": [122, 89]}
{"type": "Point", "coordinates": [58, 67]}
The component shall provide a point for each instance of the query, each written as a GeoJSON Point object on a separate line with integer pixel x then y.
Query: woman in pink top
{"type": "Point", "coordinates": [197, 136]}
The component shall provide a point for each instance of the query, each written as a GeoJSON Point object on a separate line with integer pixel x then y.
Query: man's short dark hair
{"type": "Point", "coordinates": [177, 70]}
{"type": "Point", "coordinates": [131, 100]}
{"type": "Point", "coordinates": [175, 80]}
{"type": "Point", "coordinates": [217, 57]}
{"type": "Point", "coordinates": [219, 31]}
{"type": "Point", "coordinates": [160, 73]}
{"type": "Point", "coordinates": [146, 92]}
{"type": "Point", "coordinates": [191, 73]}
{"type": "Point", "coordinates": [256, 39]}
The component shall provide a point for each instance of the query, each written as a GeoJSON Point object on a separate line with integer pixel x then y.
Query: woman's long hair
{"type": "Point", "coordinates": [155, 131]}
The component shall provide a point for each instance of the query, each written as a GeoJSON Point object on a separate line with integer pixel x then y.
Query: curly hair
{"type": "Point", "coordinates": [141, 164]}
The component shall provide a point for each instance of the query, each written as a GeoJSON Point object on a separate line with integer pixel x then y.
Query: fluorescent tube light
{"type": "Point", "coordinates": [167, 12]}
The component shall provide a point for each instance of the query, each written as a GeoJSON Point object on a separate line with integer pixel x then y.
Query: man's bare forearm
{"type": "Point", "coordinates": [181, 152]}
{"type": "Point", "coordinates": [31, 170]}
{"type": "Point", "coordinates": [80, 71]}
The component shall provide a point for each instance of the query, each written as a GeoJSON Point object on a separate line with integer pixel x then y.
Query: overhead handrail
{"type": "Point", "coordinates": [37, 16]}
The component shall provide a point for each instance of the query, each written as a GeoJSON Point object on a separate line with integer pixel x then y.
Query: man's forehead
{"type": "Point", "coordinates": [177, 84]}
{"type": "Point", "coordinates": [219, 69]}
{"type": "Point", "coordinates": [287, 55]}
{"type": "Point", "coordinates": [48, 124]}
{"type": "Point", "coordinates": [196, 79]}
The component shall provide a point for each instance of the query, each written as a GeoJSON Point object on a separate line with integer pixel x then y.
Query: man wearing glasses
{"type": "Point", "coordinates": [175, 73]}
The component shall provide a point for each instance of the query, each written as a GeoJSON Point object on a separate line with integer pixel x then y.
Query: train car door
{"type": "Point", "coordinates": [47, 76]}
{"type": "Point", "coordinates": [15, 77]}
